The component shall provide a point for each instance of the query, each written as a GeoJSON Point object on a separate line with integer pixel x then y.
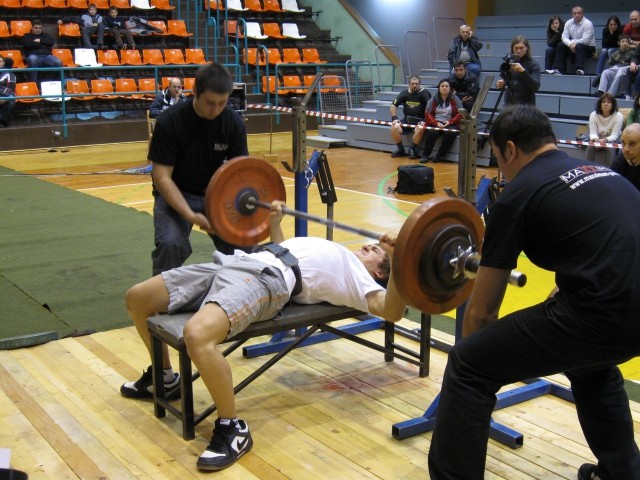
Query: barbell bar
{"type": "Point", "coordinates": [436, 253]}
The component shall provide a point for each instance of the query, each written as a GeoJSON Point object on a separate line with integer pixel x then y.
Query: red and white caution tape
{"type": "Point", "coordinates": [371, 121]}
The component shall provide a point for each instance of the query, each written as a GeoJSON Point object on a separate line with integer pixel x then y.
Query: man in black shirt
{"type": "Point", "coordinates": [465, 84]}
{"type": "Point", "coordinates": [190, 141]}
{"type": "Point", "coordinates": [627, 162]}
{"type": "Point", "coordinates": [579, 220]}
{"type": "Point", "coordinates": [414, 101]}
{"type": "Point", "coordinates": [37, 47]}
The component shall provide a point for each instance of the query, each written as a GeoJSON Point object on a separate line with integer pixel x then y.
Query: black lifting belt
{"type": "Point", "coordinates": [286, 257]}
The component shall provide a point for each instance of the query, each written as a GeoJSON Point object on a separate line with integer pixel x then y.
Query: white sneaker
{"type": "Point", "coordinates": [579, 72]}
{"type": "Point", "coordinates": [550, 72]}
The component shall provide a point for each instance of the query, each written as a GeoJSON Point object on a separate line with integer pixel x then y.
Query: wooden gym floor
{"type": "Point", "coordinates": [324, 412]}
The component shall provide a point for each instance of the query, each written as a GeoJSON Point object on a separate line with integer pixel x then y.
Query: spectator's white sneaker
{"type": "Point", "coordinates": [550, 72]}
{"type": "Point", "coordinates": [579, 72]}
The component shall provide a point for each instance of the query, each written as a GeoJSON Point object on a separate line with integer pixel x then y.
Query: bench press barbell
{"type": "Point", "coordinates": [437, 250]}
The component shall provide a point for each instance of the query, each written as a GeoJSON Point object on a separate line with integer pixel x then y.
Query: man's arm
{"type": "Point", "coordinates": [156, 107]}
{"type": "Point", "coordinates": [275, 217]}
{"type": "Point", "coordinates": [162, 180]}
{"type": "Point", "coordinates": [487, 295]}
{"type": "Point", "coordinates": [566, 35]}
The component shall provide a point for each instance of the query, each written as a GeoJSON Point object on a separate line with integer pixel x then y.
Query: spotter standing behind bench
{"type": "Point", "coordinates": [236, 290]}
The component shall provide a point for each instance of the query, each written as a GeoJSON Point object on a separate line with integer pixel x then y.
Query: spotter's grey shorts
{"type": "Point", "coordinates": [246, 289]}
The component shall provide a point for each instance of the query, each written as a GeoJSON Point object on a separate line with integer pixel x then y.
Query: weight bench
{"type": "Point", "coordinates": [169, 329]}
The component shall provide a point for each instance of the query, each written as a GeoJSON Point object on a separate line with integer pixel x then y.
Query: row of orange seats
{"type": "Point", "coordinates": [257, 57]}
{"type": "Point", "coordinates": [256, 6]}
{"type": "Point", "coordinates": [171, 56]}
{"type": "Point", "coordinates": [270, 30]}
{"type": "Point", "coordinates": [84, 4]}
{"type": "Point", "coordinates": [175, 28]}
{"type": "Point", "coordinates": [124, 88]}
{"type": "Point", "coordinates": [294, 85]}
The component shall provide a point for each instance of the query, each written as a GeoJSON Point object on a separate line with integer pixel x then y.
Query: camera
{"type": "Point", "coordinates": [505, 68]}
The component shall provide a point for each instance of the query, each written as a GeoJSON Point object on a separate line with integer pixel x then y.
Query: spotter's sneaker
{"type": "Point", "coordinates": [231, 439]}
{"type": "Point", "coordinates": [588, 471]}
{"type": "Point", "coordinates": [143, 388]}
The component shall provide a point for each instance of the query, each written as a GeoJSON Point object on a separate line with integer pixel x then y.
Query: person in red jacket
{"type": "Point", "coordinates": [442, 112]}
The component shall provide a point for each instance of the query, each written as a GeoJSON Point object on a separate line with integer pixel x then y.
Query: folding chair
{"type": "Point", "coordinates": [160, 25]}
{"type": "Point", "coordinates": [292, 85]}
{"type": "Point", "coordinates": [173, 56]}
{"type": "Point", "coordinates": [130, 57]}
{"type": "Point", "coordinates": [18, 61]}
{"type": "Point", "coordinates": [147, 87]}
{"type": "Point", "coordinates": [290, 30]}
{"type": "Point", "coordinates": [188, 83]}
{"type": "Point", "coordinates": [253, 5]}
{"type": "Point", "coordinates": [142, 5]}
{"type": "Point", "coordinates": [311, 55]}
{"type": "Point", "coordinates": [152, 56]}
{"type": "Point", "coordinates": [86, 57]}
{"type": "Point", "coordinates": [270, 83]}
{"type": "Point", "coordinates": [69, 30]}
{"type": "Point", "coordinates": [251, 56]}
{"type": "Point", "coordinates": [178, 28]}
{"type": "Point", "coordinates": [253, 31]}
{"type": "Point", "coordinates": [126, 88]}
{"type": "Point", "coordinates": [272, 6]}
{"type": "Point", "coordinates": [32, 4]}
{"type": "Point", "coordinates": [4, 29]}
{"type": "Point", "coordinates": [108, 57]}
{"type": "Point", "coordinates": [55, 3]}
{"type": "Point", "coordinates": [291, 6]}
{"type": "Point", "coordinates": [78, 4]}
{"type": "Point", "coordinates": [291, 55]}
{"type": "Point", "coordinates": [235, 5]}
{"type": "Point", "coordinates": [272, 30]}
{"type": "Point", "coordinates": [194, 56]}
{"type": "Point", "coordinates": [81, 88]}
{"type": "Point", "coordinates": [162, 4]}
{"type": "Point", "coordinates": [27, 89]}
{"type": "Point", "coordinates": [103, 89]}
{"type": "Point", "coordinates": [20, 27]}
{"type": "Point", "coordinates": [273, 56]}
{"type": "Point", "coordinates": [52, 91]}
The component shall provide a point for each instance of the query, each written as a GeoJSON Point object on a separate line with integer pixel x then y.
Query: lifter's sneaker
{"type": "Point", "coordinates": [231, 439]}
{"type": "Point", "coordinates": [143, 388]}
{"type": "Point", "coordinates": [588, 471]}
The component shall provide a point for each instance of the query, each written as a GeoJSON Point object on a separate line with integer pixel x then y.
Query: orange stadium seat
{"type": "Point", "coordinates": [147, 87]}
{"type": "Point", "coordinates": [311, 55]}
{"type": "Point", "coordinates": [291, 55]}
{"type": "Point", "coordinates": [160, 25]}
{"type": "Point", "coordinates": [188, 83]}
{"type": "Point", "coordinates": [80, 87]}
{"type": "Point", "coordinates": [69, 30]}
{"type": "Point", "coordinates": [195, 56]}
{"type": "Point", "coordinates": [32, 3]}
{"type": "Point", "coordinates": [108, 57]}
{"type": "Point", "coordinates": [4, 29]}
{"type": "Point", "coordinates": [273, 56]}
{"type": "Point", "coordinates": [130, 57]}
{"type": "Point", "coordinates": [120, 4]}
{"type": "Point", "coordinates": [272, 30]}
{"type": "Point", "coordinates": [253, 5]}
{"type": "Point", "coordinates": [65, 56]}
{"type": "Point", "coordinates": [55, 3]}
{"type": "Point", "coordinates": [272, 6]}
{"type": "Point", "coordinates": [18, 61]}
{"type": "Point", "coordinates": [213, 5]}
{"type": "Point", "coordinates": [20, 27]}
{"type": "Point", "coordinates": [152, 56]}
{"type": "Point", "coordinates": [10, 4]}
{"type": "Point", "coordinates": [251, 56]}
{"type": "Point", "coordinates": [293, 85]}
{"type": "Point", "coordinates": [27, 89]}
{"type": "Point", "coordinates": [78, 4]}
{"type": "Point", "coordinates": [270, 83]}
{"type": "Point", "coordinates": [125, 87]}
{"type": "Point", "coordinates": [103, 89]}
{"type": "Point", "coordinates": [162, 4]}
{"type": "Point", "coordinates": [174, 56]}
{"type": "Point", "coordinates": [332, 83]}
{"type": "Point", "coordinates": [178, 28]}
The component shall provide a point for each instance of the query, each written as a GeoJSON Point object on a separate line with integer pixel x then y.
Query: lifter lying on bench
{"type": "Point", "coordinates": [234, 291]}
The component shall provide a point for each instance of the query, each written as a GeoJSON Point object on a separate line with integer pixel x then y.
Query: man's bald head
{"type": "Point", "coordinates": [631, 144]}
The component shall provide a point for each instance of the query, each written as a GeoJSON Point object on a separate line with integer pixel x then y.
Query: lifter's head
{"type": "Point", "coordinates": [211, 90]}
{"type": "Point", "coordinates": [376, 261]}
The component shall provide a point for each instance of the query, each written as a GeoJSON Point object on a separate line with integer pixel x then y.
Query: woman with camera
{"type": "Point", "coordinates": [520, 74]}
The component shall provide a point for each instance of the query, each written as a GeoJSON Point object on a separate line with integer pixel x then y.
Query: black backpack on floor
{"type": "Point", "coordinates": [415, 180]}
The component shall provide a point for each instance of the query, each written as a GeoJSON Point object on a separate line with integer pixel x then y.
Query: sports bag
{"type": "Point", "coordinates": [415, 180]}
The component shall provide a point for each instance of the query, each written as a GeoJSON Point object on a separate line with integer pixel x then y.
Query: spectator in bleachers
{"type": "Point", "coordinates": [605, 125]}
{"type": "Point", "coordinates": [522, 77]}
{"type": "Point", "coordinates": [140, 26]}
{"type": "Point", "coordinates": [634, 112]}
{"type": "Point", "coordinates": [117, 26]}
{"type": "Point", "coordinates": [465, 47]}
{"type": "Point", "coordinates": [615, 79]}
{"type": "Point", "coordinates": [465, 84]}
{"type": "Point", "coordinates": [578, 41]}
{"type": "Point", "coordinates": [610, 36]}
{"type": "Point", "coordinates": [37, 47]}
{"type": "Point", "coordinates": [627, 161]}
{"type": "Point", "coordinates": [442, 112]}
{"type": "Point", "coordinates": [632, 28]}
{"type": "Point", "coordinates": [171, 95]}
{"type": "Point", "coordinates": [554, 37]}
{"type": "Point", "coordinates": [7, 90]}
{"type": "Point", "coordinates": [92, 24]}
{"type": "Point", "coordinates": [414, 101]}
